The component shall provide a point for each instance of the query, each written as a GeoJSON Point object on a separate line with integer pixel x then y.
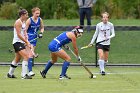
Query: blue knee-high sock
{"type": "Point", "coordinates": [47, 67]}
{"type": "Point", "coordinates": [64, 68]}
{"type": "Point", "coordinates": [30, 61]}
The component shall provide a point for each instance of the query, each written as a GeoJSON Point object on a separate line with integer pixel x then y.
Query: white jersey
{"type": "Point", "coordinates": [103, 32]}
{"type": "Point", "coordinates": [16, 38]}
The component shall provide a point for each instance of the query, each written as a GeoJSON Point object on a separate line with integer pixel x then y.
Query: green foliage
{"type": "Point", "coordinates": [68, 9]}
{"type": "Point", "coordinates": [2, 1]}
{"type": "Point", "coordinates": [8, 10]}
{"type": "Point", "coordinates": [51, 8]}
{"type": "Point", "coordinates": [118, 8]}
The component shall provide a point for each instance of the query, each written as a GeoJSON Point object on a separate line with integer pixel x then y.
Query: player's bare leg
{"type": "Point", "coordinates": [62, 54]}
{"type": "Point", "coordinates": [49, 65]}
{"type": "Point", "coordinates": [106, 53]}
{"type": "Point", "coordinates": [25, 57]}
{"type": "Point", "coordinates": [101, 61]}
{"type": "Point", "coordinates": [13, 66]}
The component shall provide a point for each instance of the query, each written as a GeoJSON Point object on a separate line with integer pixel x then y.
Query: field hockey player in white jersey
{"type": "Point", "coordinates": [104, 32]}
{"type": "Point", "coordinates": [19, 42]}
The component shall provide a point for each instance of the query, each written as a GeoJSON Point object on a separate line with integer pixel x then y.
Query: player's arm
{"type": "Point", "coordinates": [73, 38]}
{"type": "Point", "coordinates": [18, 27]}
{"type": "Point", "coordinates": [40, 35]}
{"type": "Point", "coordinates": [27, 26]}
{"type": "Point", "coordinates": [112, 31]}
{"type": "Point", "coordinates": [94, 36]}
{"type": "Point", "coordinates": [75, 46]}
{"type": "Point", "coordinates": [41, 26]}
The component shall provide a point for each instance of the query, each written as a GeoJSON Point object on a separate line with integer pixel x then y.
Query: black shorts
{"type": "Point", "coordinates": [103, 47]}
{"type": "Point", "coordinates": [18, 46]}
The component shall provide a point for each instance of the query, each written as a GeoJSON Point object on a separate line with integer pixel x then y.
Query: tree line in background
{"type": "Point", "coordinates": [68, 9]}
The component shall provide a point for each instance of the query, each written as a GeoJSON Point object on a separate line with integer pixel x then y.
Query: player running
{"type": "Point", "coordinates": [19, 42]}
{"type": "Point", "coordinates": [55, 47]}
{"type": "Point", "coordinates": [103, 31]}
{"type": "Point", "coordinates": [33, 24]}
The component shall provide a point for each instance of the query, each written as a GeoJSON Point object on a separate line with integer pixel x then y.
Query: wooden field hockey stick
{"type": "Point", "coordinates": [84, 47]}
{"type": "Point", "coordinates": [90, 73]}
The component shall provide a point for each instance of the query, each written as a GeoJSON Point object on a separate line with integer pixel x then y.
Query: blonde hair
{"type": "Point", "coordinates": [35, 9]}
{"type": "Point", "coordinates": [105, 13]}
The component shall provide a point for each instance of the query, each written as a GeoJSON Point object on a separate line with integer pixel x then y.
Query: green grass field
{"type": "Point", "coordinates": [73, 22]}
{"type": "Point", "coordinates": [118, 80]}
{"type": "Point", "coordinates": [124, 47]}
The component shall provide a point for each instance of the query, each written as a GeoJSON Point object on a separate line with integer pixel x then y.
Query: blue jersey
{"type": "Point", "coordinates": [56, 44]}
{"type": "Point", "coordinates": [33, 30]}
{"type": "Point", "coordinates": [63, 38]}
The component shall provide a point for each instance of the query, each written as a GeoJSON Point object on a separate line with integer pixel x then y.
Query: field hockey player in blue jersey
{"type": "Point", "coordinates": [33, 25]}
{"type": "Point", "coordinates": [55, 47]}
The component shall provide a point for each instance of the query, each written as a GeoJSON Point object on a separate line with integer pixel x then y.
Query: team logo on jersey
{"type": "Point", "coordinates": [20, 47]}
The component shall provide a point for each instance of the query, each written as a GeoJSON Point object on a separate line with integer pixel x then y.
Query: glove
{"type": "Point", "coordinates": [66, 47]}
{"type": "Point", "coordinates": [79, 58]}
{"type": "Point", "coordinates": [40, 35]}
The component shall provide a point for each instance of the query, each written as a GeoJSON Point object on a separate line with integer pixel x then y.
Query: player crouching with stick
{"type": "Point", "coordinates": [102, 33]}
{"type": "Point", "coordinates": [55, 47]}
{"type": "Point", "coordinates": [19, 42]}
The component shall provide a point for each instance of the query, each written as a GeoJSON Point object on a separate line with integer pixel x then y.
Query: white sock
{"type": "Point", "coordinates": [12, 67]}
{"type": "Point", "coordinates": [101, 65]}
{"type": "Point", "coordinates": [24, 68]}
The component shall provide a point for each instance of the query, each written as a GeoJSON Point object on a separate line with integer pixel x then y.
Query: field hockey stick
{"type": "Point", "coordinates": [93, 44]}
{"type": "Point", "coordinates": [35, 55]}
{"type": "Point", "coordinates": [87, 46]}
{"type": "Point", "coordinates": [10, 50]}
{"type": "Point", "coordinates": [34, 39]}
{"type": "Point", "coordinates": [90, 73]}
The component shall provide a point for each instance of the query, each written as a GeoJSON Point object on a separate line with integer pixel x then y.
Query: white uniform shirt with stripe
{"type": "Point", "coordinates": [16, 38]}
{"type": "Point", "coordinates": [103, 31]}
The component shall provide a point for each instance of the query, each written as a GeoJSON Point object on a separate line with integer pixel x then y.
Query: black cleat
{"type": "Point", "coordinates": [11, 76]}
{"type": "Point", "coordinates": [43, 74]}
{"type": "Point", "coordinates": [26, 77]}
{"type": "Point", "coordinates": [103, 73]}
{"type": "Point", "coordinates": [64, 77]}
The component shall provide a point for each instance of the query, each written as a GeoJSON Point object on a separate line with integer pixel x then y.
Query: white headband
{"type": "Point", "coordinates": [80, 30]}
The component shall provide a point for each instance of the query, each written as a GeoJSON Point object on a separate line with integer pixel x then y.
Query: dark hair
{"type": "Point", "coordinates": [22, 12]}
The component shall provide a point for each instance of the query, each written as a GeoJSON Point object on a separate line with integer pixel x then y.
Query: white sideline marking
{"type": "Point", "coordinates": [119, 73]}
{"type": "Point", "coordinates": [110, 73]}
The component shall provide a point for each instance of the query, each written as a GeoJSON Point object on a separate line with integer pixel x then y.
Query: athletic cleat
{"type": "Point", "coordinates": [64, 77]}
{"type": "Point", "coordinates": [103, 73]}
{"type": "Point", "coordinates": [31, 73]}
{"type": "Point", "coordinates": [26, 77]}
{"type": "Point", "coordinates": [43, 74]}
{"type": "Point", "coordinates": [11, 76]}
